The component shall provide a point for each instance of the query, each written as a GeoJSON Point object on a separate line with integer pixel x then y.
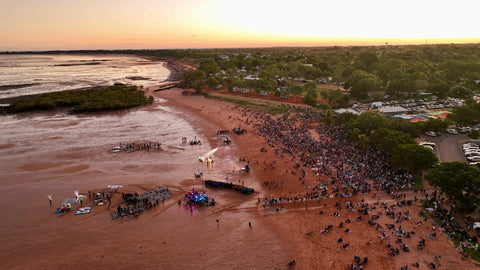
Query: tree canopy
{"type": "Point", "coordinates": [413, 157]}
{"type": "Point", "coordinates": [459, 181]}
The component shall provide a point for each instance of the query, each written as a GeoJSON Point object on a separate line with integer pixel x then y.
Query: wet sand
{"type": "Point", "coordinates": [54, 153]}
{"type": "Point", "coordinates": [62, 153]}
{"type": "Point", "coordinates": [317, 250]}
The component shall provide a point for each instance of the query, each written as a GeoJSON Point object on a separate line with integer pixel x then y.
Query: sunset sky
{"type": "Point", "coordinates": [156, 24]}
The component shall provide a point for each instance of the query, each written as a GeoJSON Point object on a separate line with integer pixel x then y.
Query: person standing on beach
{"type": "Point", "coordinates": [250, 224]}
{"type": "Point", "coordinates": [50, 199]}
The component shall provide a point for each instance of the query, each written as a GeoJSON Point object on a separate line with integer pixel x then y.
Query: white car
{"type": "Point", "coordinates": [462, 130]}
{"type": "Point", "coordinates": [452, 131]}
{"type": "Point", "coordinates": [474, 163]}
{"type": "Point", "coordinates": [431, 133]}
{"type": "Point", "coordinates": [469, 144]}
{"type": "Point", "coordinates": [472, 155]}
{"type": "Point", "coordinates": [431, 144]}
{"type": "Point", "coordinates": [474, 159]}
{"type": "Point", "coordinates": [468, 129]}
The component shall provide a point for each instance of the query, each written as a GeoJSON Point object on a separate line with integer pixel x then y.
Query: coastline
{"type": "Point", "coordinates": [147, 241]}
{"type": "Point", "coordinates": [293, 222]}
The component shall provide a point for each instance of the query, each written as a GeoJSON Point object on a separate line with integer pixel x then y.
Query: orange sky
{"type": "Point", "coordinates": [155, 24]}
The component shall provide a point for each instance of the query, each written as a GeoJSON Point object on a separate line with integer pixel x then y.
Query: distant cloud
{"type": "Point", "coordinates": [193, 36]}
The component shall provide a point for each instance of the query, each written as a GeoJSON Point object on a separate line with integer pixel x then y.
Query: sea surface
{"type": "Point", "coordinates": [43, 153]}
{"type": "Point", "coordinates": [26, 74]}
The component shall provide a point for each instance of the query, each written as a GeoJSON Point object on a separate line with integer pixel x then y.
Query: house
{"type": "Point", "coordinates": [299, 79]}
{"type": "Point", "coordinates": [282, 89]}
{"type": "Point", "coordinates": [251, 78]}
{"type": "Point", "coordinates": [224, 57]}
{"type": "Point", "coordinates": [235, 89]}
{"type": "Point", "coordinates": [376, 105]}
{"type": "Point", "coordinates": [263, 93]}
{"type": "Point", "coordinates": [245, 91]}
{"type": "Point", "coordinates": [356, 112]}
{"type": "Point", "coordinates": [392, 110]}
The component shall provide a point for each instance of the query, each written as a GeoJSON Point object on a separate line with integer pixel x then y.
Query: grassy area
{"type": "Point", "coordinates": [114, 97]}
{"type": "Point", "coordinates": [325, 88]}
{"type": "Point", "coordinates": [271, 107]}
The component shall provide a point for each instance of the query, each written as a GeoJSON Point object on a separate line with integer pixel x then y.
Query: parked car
{"type": "Point", "coordinates": [462, 130]}
{"type": "Point", "coordinates": [468, 129]}
{"type": "Point", "coordinates": [431, 134]}
{"type": "Point", "coordinates": [472, 154]}
{"type": "Point", "coordinates": [431, 144]}
{"type": "Point", "coordinates": [474, 159]}
{"type": "Point", "coordinates": [452, 131]}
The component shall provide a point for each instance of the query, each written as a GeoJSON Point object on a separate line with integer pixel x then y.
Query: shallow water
{"type": "Point", "coordinates": [35, 74]}
{"type": "Point", "coordinates": [56, 153]}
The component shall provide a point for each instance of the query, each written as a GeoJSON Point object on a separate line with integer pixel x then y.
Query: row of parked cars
{"type": "Point", "coordinates": [453, 131]}
{"type": "Point", "coordinates": [472, 152]}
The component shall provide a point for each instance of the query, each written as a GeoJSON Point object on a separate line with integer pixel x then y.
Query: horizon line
{"type": "Point", "coordinates": [243, 47]}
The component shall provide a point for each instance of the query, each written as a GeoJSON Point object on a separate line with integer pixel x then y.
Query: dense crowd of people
{"type": "Point", "coordinates": [341, 168]}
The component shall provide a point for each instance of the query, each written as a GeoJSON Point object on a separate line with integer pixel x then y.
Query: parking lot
{"type": "Point", "coordinates": [449, 147]}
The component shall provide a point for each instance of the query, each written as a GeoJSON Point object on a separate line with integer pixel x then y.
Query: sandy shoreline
{"type": "Point", "coordinates": [292, 223]}
{"type": "Point", "coordinates": [169, 237]}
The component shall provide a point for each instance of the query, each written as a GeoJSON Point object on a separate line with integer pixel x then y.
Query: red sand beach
{"type": "Point", "coordinates": [56, 158]}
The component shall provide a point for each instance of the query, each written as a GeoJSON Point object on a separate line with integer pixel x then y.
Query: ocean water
{"type": "Point", "coordinates": [34, 74]}
{"type": "Point", "coordinates": [56, 153]}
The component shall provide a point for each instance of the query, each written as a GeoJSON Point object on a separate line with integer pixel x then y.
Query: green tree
{"type": "Point", "coordinates": [460, 92]}
{"type": "Point", "coordinates": [328, 117]}
{"type": "Point", "coordinates": [295, 90]}
{"type": "Point", "coordinates": [459, 181]}
{"type": "Point", "coordinates": [210, 67]}
{"type": "Point", "coordinates": [367, 122]}
{"type": "Point", "coordinates": [310, 99]}
{"type": "Point", "coordinates": [474, 134]}
{"type": "Point", "coordinates": [386, 140]}
{"type": "Point", "coordinates": [361, 88]}
{"type": "Point", "coordinates": [323, 106]}
{"type": "Point", "coordinates": [212, 82]}
{"type": "Point", "coordinates": [413, 157]}
{"type": "Point", "coordinates": [434, 125]}
{"type": "Point", "coordinates": [310, 86]}
{"type": "Point", "coordinates": [194, 79]}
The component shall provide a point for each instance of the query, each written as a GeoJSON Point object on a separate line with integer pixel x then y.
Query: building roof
{"type": "Point", "coordinates": [340, 111]}
{"type": "Point", "coordinates": [392, 109]}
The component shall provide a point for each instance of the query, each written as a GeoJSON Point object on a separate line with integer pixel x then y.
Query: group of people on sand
{"type": "Point", "coordinates": [136, 146]}
{"type": "Point", "coordinates": [135, 203]}
{"type": "Point", "coordinates": [341, 169]}
{"type": "Point", "coordinates": [329, 153]}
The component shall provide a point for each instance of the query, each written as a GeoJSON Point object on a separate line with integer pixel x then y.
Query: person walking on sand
{"type": "Point", "coordinates": [250, 224]}
{"type": "Point", "coordinates": [50, 199]}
